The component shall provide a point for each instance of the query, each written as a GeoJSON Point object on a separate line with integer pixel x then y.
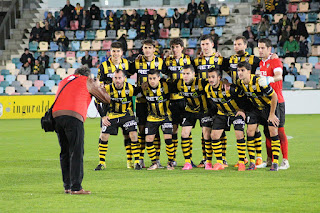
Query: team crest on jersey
{"type": "Point", "coordinates": [185, 61]}
{"type": "Point", "coordinates": [196, 87]}
{"type": "Point", "coordinates": [156, 64]}
{"type": "Point", "coordinates": [127, 92]}
{"type": "Point", "coordinates": [223, 92]}
{"type": "Point", "coordinates": [215, 59]}
{"type": "Point", "coordinates": [123, 65]}
{"type": "Point", "coordinates": [247, 59]}
{"type": "Point", "coordinates": [254, 87]}
{"type": "Point", "coordinates": [268, 65]}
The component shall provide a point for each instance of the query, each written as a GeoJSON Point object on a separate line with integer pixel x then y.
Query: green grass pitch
{"type": "Point", "coordinates": [30, 176]}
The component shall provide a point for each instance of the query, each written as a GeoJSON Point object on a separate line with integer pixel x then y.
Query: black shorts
{"type": "Point", "coordinates": [260, 116]}
{"type": "Point", "coordinates": [224, 122]}
{"type": "Point", "coordinates": [177, 108]}
{"type": "Point", "coordinates": [282, 114]}
{"type": "Point", "coordinates": [127, 123]}
{"type": "Point", "coordinates": [142, 113]}
{"type": "Point", "coordinates": [152, 127]}
{"type": "Point", "coordinates": [190, 119]}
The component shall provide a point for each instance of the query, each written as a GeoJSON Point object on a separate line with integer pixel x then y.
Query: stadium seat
{"type": "Point", "coordinates": [21, 78]}
{"type": "Point", "coordinates": [211, 21]}
{"type": "Point", "coordinates": [192, 42]}
{"type": "Point", "coordinates": [221, 21]}
{"type": "Point", "coordinates": [196, 32]}
{"type": "Point", "coordinates": [302, 78]}
{"type": "Point", "coordinates": [33, 46]}
{"type": "Point", "coordinates": [10, 90]}
{"type": "Point", "coordinates": [302, 16]}
{"type": "Point", "coordinates": [311, 84]}
{"type": "Point", "coordinates": [10, 78]}
{"type": "Point", "coordinates": [101, 34]}
{"type": "Point", "coordinates": [70, 71]}
{"type": "Point", "coordinates": [298, 66]}
{"type": "Point", "coordinates": [286, 85]}
{"type": "Point", "coordinates": [61, 72]}
{"type": "Point", "coordinates": [95, 24]}
{"type": "Point", "coordinates": [103, 24]}
{"type": "Point", "coordinates": [44, 89]}
{"type": "Point", "coordinates": [53, 46]}
{"type": "Point", "coordinates": [316, 39]}
{"type": "Point", "coordinates": [301, 60]}
{"type": "Point", "coordinates": [162, 12]}
{"type": "Point", "coordinates": [1, 90]}
{"type": "Point", "coordinates": [303, 7]}
{"type": "Point", "coordinates": [74, 25]}
{"type": "Point", "coordinates": [305, 72]}
{"type": "Point", "coordinates": [289, 60]}
{"type": "Point", "coordinates": [43, 77]}
{"type": "Point", "coordinates": [130, 44]}
{"type": "Point", "coordinates": [206, 30]}
{"type": "Point", "coordinates": [49, 71]}
{"type": "Point", "coordinates": [80, 54]}
{"type": "Point", "coordinates": [80, 35]}
{"type": "Point", "coordinates": [214, 10]}
{"type": "Point", "coordinates": [76, 65]}
{"type": "Point", "coordinates": [10, 66]}
{"type": "Point", "coordinates": [21, 90]}
{"type": "Point", "coordinates": [137, 44]}
{"type": "Point", "coordinates": [4, 84]}
{"type": "Point", "coordinates": [164, 33]}
{"type": "Point", "coordinates": [43, 46]}
{"type": "Point", "coordinates": [57, 34]}
{"type": "Point", "coordinates": [292, 8]}
{"type": "Point", "coordinates": [49, 83]}
{"type": "Point", "coordinates": [27, 84]}
{"type": "Point", "coordinates": [174, 33]}
{"type": "Point", "coordinates": [314, 78]}
{"type": "Point", "coordinates": [16, 84]}
{"type": "Point", "coordinates": [85, 45]}
{"type": "Point", "coordinates": [15, 61]}
{"type": "Point", "coordinates": [307, 66]}
{"type": "Point", "coordinates": [224, 10]}
{"type": "Point", "coordinates": [298, 85]}
{"type": "Point", "coordinates": [90, 35]}
{"type": "Point", "coordinates": [120, 32]}
{"type": "Point", "coordinates": [256, 19]}
{"type": "Point", "coordinates": [60, 54]}
{"type": "Point", "coordinates": [314, 6]}
{"type": "Point", "coordinates": [289, 78]}
{"type": "Point", "coordinates": [106, 44]}
{"type": "Point", "coordinates": [256, 52]}
{"type": "Point", "coordinates": [132, 34]}
{"type": "Point", "coordinates": [69, 34]}
{"type": "Point", "coordinates": [70, 54]}
{"type": "Point", "coordinates": [310, 28]}
{"type": "Point", "coordinates": [315, 51]}
{"type": "Point", "coordinates": [1, 78]}
{"type": "Point", "coordinates": [162, 42]}
{"type": "Point", "coordinates": [93, 53]}
{"type": "Point", "coordinates": [54, 89]}
{"type": "Point", "coordinates": [96, 45]}
{"type": "Point", "coordinates": [182, 10]}
{"type": "Point", "coordinates": [71, 60]}
{"type": "Point", "coordinates": [111, 34]}
{"type": "Point", "coordinates": [185, 32]}
{"type": "Point", "coordinates": [313, 60]}
{"type": "Point", "coordinates": [33, 78]}
{"type": "Point", "coordinates": [170, 12]}
{"type": "Point", "coordinates": [277, 17]}
{"type": "Point", "coordinates": [312, 17]}
{"type": "Point", "coordinates": [219, 31]}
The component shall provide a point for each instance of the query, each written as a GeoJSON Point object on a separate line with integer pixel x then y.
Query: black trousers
{"type": "Point", "coordinates": [70, 133]}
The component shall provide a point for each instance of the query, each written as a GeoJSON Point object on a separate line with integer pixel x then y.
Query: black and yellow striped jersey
{"type": "Point", "coordinates": [107, 68]}
{"type": "Point", "coordinates": [231, 64]}
{"type": "Point", "coordinates": [121, 100]}
{"type": "Point", "coordinates": [259, 96]}
{"type": "Point", "coordinates": [225, 100]}
{"type": "Point", "coordinates": [194, 94]}
{"type": "Point", "coordinates": [158, 102]}
{"type": "Point", "coordinates": [173, 70]}
{"type": "Point", "coordinates": [203, 64]}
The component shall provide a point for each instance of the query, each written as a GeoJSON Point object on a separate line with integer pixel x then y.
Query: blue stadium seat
{"type": "Point", "coordinates": [49, 83]}
{"type": "Point", "coordinates": [301, 60]}
{"type": "Point", "coordinates": [119, 13]}
{"type": "Point", "coordinates": [33, 78]}
{"type": "Point", "coordinates": [79, 34]}
{"type": "Point", "coordinates": [1, 90]}
{"type": "Point", "coordinates": [302, 78]}
{"type": "Point", "coordinates": [80, 54]}
{"type": "Point", "coordinates": [36, 54]}
{"type": "Point", "coordinates": [221, 21]}
{"type": "Point", "coordinates": [185, 32]}
{"type": "Point", "coordinates": [93, 53]}
{"type": "Point", "coordinates": [49, 71]}
{"type": "Point", "coordinates": [75, 46]}
{"type": "Point", "coordinates": [214, 10]}
{"type": "Point", "coordinates": [206, 30]}
{"type": "Point", "coordinates": [192, 42]}
{"type": "Point", "coordinates": [15, 84]}
{"type": "Point", "coordinates": [289, 78]}
{"type": "Point", "coordinates": [102, 53]}
{"type": "Point", "coordinates": [302, 16]}
{"type": "Point", "coordinates": [101, 14]}
{"type": "Point", "coordinates": [94, 71]}
{"type": "Point", "coordinates": [56, 14]}
{"type": "Point", "coordinates": [162, 42]}
{"type": "Point", "coordinates": [69, 34]}
{"type": "Point", "coordinates": [5, 72]}
{"type": "Point", "coordinates": [249, 50]}
{"type": "Point", "coordinates": [316, 39]}
{"type": "Point", "coordinates": [286, 85]}
{"type": "Point", "coordinates": [55, 78]}
{"type": "Point", "coordinates": [95, 24]}
{"type": "Point", "coordinates": [76, 65]}
{"type": "Point", "coordinates": [103, 24]}
{"type": "Point", "coordinates": [219, 31]}
{"type": "Point", "coordinates": [196, 32]}
{"type": "Point", "coordinates": [44, 89]}
{"type": "Point", "coordinates": [10, 78]}
{"type": "Point", "coordinates": [312, 17]}
{"type": "Point", "coordinates": [170, 12]}
{"type": "Point", "coordinates": [4, 84]}
{"type": "Point", "coordinates": [15, 61]}
{"type": "Point", "coordinates": [43, 77]}
{"type": "Point", "coordinates": [314, 78]}
{"type": "Point", "coordinates": [53, 46]}
{"type": "Point", "coordinates": [132, 34]}
{"type": "Point", "coordinates": [140, 12]}
{"type": "Point", "coordinates": [33, 46]}
{"type": "Point", "coordinates": [313, 60]}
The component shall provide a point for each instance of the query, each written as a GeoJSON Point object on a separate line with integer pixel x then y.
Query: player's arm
{"type": "Point", "coordinates": [226, 65]}
{"type": "Point", "coordinates": [255, 64]}
{"type": "Point", "coordinates": [272, 116]}
{"type": "Point", "coordinates": [277, 71]}
{"type": "Point", "coordinates": [132, 68]}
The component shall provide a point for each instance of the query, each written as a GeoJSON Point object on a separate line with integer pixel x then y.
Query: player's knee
{"type": "Point", "coordinates": [251, 132]}
{"type": "Point", "coordinates": [133, 136]}
{"type": "Point", "coordinates": [104, 136]}
{"type": "Point", "coordinates": [239, 135]}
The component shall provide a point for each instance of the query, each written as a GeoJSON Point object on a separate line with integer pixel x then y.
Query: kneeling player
{"type": "Point", "coordinates": [265, 111]}
{"type": "Point", "coordinates": [120, 114]}
{"type": "Point", "coordinates": [227, 102]}
{"type": "Point", "coordinates": [157, 95]}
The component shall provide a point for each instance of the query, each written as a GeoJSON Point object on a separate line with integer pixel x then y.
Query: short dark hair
{"type": "Point", "coordinates": [148, 41]}
{"type": "Point", "coordinates": [244, 64]}
{"type": "Point", "coordinates": [83, 70]}
{"type": "Point", "coordinates": [188, 67]}
{"type": "Point", "coordinates": [266, 41]}
{"type": "Point", "coordinates": [213, 69]}
{"type": "Point", "coordinates": [176, 41]}
{"type": "Point", "coordinates": [243, 39]}
{"type": "Point", "coordinates": [205, 37]}
{"type": "Point", "coordinates": [153, 71]}
{"type": "Point", "coordinates": [117, 44]}
{"type": "Point", "coordinates": [120, 70]}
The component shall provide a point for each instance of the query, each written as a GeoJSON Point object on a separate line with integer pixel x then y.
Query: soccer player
{"type": "Point", "coordinates": [105, 74]}
{"type": "Point", "coordinates": [119, 114]}
{"type": "Point", "coordinates": [157, 95]}
{"type": "Point", "coordinates": [230, 66]}
{"type": "Point", "coordinates": [193, 90]}
{"type": "Point", "coordinates": [141, 66]}
{"type": "Point", "coordinates": [202, 64]}
{"type": "Point", "coordinates": [229, 112]}
{"type": "Point", "coordinates": [174, 64]}
{"type": "Point", "coordinates": [272, 70]}
{"type": "Point", "coordinates": [265, 112]}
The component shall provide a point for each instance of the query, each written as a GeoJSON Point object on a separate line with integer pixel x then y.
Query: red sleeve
{"type": "Point", "coordinates": [277, 65]}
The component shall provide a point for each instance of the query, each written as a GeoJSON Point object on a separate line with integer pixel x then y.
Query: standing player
{"type": "Point", "coordinates": [105, 74]}
{"type": "Point", "coordinates": [174, 64]}
{"type": "Point", "coordinates": [227, 102]}
{"type": "Point", "coordinates": [202, 65]}
{"type": "Point", "coordinates": [157, 95]}
{"type": "Point", "coordinates": [141, 66]}
{"type": "Point", "coordinates": [272, 70]}
{"type": "Point", "coordinates": [119, 114]}
{"type": "Point", "coordinates": [264, 112]}
{"type": "Point", "coordinates": [193, 90]}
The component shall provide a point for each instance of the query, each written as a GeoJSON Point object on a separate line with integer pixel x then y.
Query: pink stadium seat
{"type": "Point", "coordinates": [94, 60]}
{"type": "Point", "coordinates": [164, 33]}
{"type": "Point", "coordinates": [74, 25]}
{"type": "Point", "coordinates": [70, 54]}
{"type": "Point", "coordinates": [317, 66]}
{"type": "Point", "coordinates": [150, 12]}
{"type": "Point", "coordinates": [106, 44]}
{"type": "Point", "coordinates": [292, 8]}
{"type": "Point", "coordinates": [38, 83]}
{"type": "Point", "coordinates": [1, 78]}
{"type": "Point", "coordinates": [256, 19]}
